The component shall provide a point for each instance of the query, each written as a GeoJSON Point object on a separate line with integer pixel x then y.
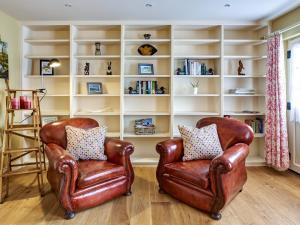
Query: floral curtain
{"type": "Point", "coordinates": [277, 154]}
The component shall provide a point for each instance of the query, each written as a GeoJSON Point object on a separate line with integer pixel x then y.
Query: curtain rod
{"type": "Point", "coordinates": [282, 30]}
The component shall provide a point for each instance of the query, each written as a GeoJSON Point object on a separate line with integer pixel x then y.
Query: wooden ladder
{"type": "Point", "coordinates": [9, 154]}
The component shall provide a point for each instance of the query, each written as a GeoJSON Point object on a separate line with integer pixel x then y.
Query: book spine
{"type": "Point", "coordinates": [153, 87]}
{"type": "Point", "coordinates": [137, 87]}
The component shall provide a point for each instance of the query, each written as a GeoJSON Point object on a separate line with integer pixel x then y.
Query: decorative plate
{"type": "Point", "coordinates": [147, 49]}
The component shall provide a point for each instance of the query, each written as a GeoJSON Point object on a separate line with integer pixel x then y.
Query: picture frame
{"type": "Point", "coordinates": [145, 69]}
{"type": "Point", "coordinates": [94, 88]}
{"type": "Point", "coordinates": [3, 60]}
{"type": "Point", "coordinates": [48, 119]}
{"type": "Point", "coordinates": [45, 70]}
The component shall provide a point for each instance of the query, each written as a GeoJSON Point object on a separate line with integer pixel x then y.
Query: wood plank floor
{"type": "Point", "coordinates": [268, 197]}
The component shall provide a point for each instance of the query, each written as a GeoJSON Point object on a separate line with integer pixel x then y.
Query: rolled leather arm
{"type": "Point", "coordinates": [62, 162]}
{"type": "Point", "coordinates": [117, 150]}
{"type": "Point", "coordinates": [230, 158]}
{"type": "Point", "coordinates": [170, 150]}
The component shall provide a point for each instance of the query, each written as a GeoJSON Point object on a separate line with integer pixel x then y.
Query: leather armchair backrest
{"type": "Point", "coordinates": [55, 132]}
{"type": "Point", "coordinates": [230, 131]}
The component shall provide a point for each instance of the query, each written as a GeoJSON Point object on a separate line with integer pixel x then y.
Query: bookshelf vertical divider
{"type": "Point", "coordinates": [219, 46]}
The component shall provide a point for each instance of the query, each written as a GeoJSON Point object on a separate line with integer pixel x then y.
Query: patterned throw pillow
{"type": "Point", "coordinates": [200, 143]}
{"type": "Point", "coordinates": [86, 144]}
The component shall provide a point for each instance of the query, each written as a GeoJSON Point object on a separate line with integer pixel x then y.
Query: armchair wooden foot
{"type": "Point", "coordinates": [216, 216]}
{"type": "Point", "coordinates": [128, 193]}
{"type": "Point", "coordinates": [161, 191]}
{"type": "Point", "coordinates": [69, 215]}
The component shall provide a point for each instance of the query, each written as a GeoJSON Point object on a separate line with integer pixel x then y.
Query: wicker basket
{"type": "Point", "coordinates": [144, 130]}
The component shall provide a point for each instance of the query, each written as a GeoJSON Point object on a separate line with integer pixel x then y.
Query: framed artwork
{"type": "Point", "coordinates": [94, 88]}
{"type": "Point", "coordinates": [145, 69]}
{"type": "Point", "coordinates": [45, 69]}
{"type": "Point", "coordinates": [48, 119]}
{"type": "Point", "coordinates": [3, 60]}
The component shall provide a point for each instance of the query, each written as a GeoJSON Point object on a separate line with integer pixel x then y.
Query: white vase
{"type": "Point", "coordinates": [195, 90]}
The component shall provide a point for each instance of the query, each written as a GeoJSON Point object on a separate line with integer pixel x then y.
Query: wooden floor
{"type": "Point", "coordinates": [268, 197]}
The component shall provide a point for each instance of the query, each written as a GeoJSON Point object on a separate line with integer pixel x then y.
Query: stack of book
{"type": "Point", "coordinates": [146, 87]}
{"type": "Point", "coordinates": [242, 91]}
{"type": "Point", "coordinates": [194, 67]}
{"type": "Point", "coordinates": [256, 124]}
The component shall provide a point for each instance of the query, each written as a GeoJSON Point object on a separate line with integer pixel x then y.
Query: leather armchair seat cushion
{"type": "Point", "coordinates": [195, 172]}
{"type": "Point", "coordinates": [92, 172]}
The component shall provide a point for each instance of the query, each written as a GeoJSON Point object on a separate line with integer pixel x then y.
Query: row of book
{"type": "Point", "coordinates": [194, 67]}
{"type": "Point", "coordinates": [146, 87]}
{"type": "Point", "coordinates": [256, 124]}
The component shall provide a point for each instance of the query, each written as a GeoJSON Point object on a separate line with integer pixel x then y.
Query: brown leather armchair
{"type": "Point", "coordinates": [85, 183]}
{"type": "Point", "coordinates": [206, 184]}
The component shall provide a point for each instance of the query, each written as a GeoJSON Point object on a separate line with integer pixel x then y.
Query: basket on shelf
{"type": "Point", "coordinates": [144, 127]}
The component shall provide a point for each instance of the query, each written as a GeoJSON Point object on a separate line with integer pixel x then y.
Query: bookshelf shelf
{"type": "Point", "coordinates": [92, 41]}
{"type": "Point", "coordinates": [146, 76]}
{"type": "Point", "coordinates": [47, 56]}
{"type": "Point", "coordinates": [96, 95]}
{"type": "Point", "coordinates": [244, 95]}
{"type": "Point", "coordinates": [47, 42]}
{"type": "Point", "coordinates": [244, 42]}
{"type": "Point", "coordinates": [97, 56]}
{"type": "Point", "coordinates": [245, 57]}
{"type": "Point", "coordinates": [147, 57]}
{"type": "Point", "coordinates": [133, 135]}
{"type": "Point", "coordinates": [96, 113]}
{"type": "Point", "coordinates": [196, 76]}
{"type": "Point", "coordinates": [145, 113]}
{"type": "Point", "coordinates": [198, 95]}
{"type": "Point", "coordinates": [259, 135]}
{"type": "Point", "coordinates": [46, 77]}
{"type": "Point", "coordinates": [185, 113]}
{"type": "Point", "coordinates": [196, 41]}
{"type": "Point", "coordinates": [219, 47]}
{"type": "Point", "coordinates": [150, 41]}
{"type": "Point", "coordinates": [197, 56]}
{"type": "Point", "coordinates": [245, 76]}
{"type": "Point", "coordinates": [97, 76]}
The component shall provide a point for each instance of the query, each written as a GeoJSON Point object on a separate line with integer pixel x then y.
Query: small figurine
{"type": "Point", "coordinates": [161, 91]}
{"type": "Point", "coordinates": [210, 71]}
{"type": "Point", "coordinates": [98, 48]}
{"type": "Point", "coordinates": [241, 68]}
{"type": "Point", "coordinates": [178, 71]}
{"type": "Point", "coordinates": [147, 36]}
{"type": "Point", "coordinates": [109, 71]}
{"type": "Point", "coordinates": [87, 69]}
{"type": "Point", "coordinates": [130, 90]}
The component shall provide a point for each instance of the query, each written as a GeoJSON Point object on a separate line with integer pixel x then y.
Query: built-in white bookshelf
{"type": "Point", "coordinates": [218, 46]}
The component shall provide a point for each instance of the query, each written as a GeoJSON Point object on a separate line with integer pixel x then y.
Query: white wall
{"type": "Point", "coordinates": [10, 32]}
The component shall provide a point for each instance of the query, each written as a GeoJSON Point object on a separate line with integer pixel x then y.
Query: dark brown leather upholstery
{"type": "Point", "coordinates": [85, 183]}
{"type": "Point", "coordinates": [206, 184]}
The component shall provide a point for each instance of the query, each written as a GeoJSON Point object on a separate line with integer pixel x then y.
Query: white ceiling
{"type": "Point", "coordinates": [204, 10]}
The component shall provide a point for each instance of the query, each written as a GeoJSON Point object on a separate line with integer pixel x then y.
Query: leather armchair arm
{"type": "Point", "coordinates": [117, 150]}
{"type": "Point", "coordinates": [228, 174]}
{"type": "Point", "coordinates": [230, 158]}
{"type": "Point", "coordinates": [170, 150]}
{"type": "Point", "coordinates": [63, 163]}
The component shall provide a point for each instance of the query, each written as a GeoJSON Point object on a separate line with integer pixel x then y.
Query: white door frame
{"type": "Point", "coordinates": [292, 126]}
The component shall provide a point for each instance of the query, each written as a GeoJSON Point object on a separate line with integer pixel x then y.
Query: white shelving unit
{"type": "Point", "coordinates": [219, 46]}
